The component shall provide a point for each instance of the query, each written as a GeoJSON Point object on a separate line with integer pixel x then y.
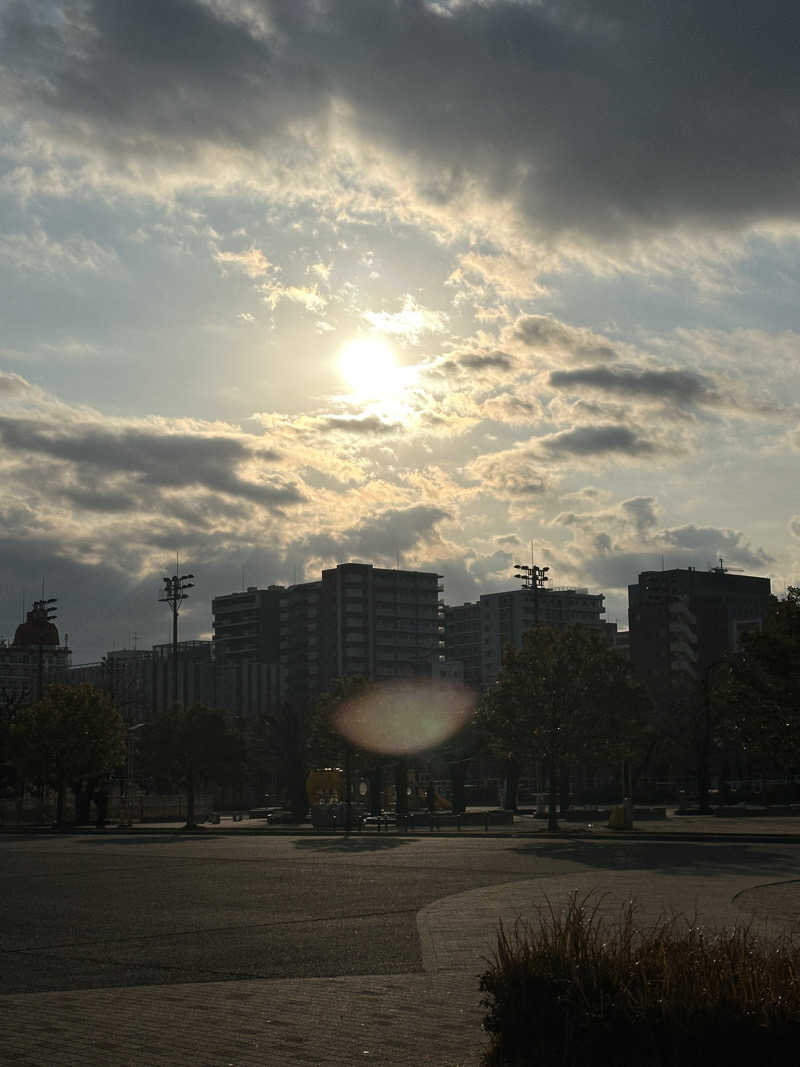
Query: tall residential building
{"type": "Point", "coordinates": [476, 633]}
{"type": "Point", "coordinates": [682, 622]}
{"type": "Point", "coordinates": [359, 619]}
{"type": "Point", "coordinates": [247, 626]}
{"type": "Point", "coordinates": [301, 643]}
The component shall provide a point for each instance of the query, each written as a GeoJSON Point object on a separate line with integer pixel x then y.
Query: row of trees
{"type": "Point", "coordinates": [563, 701]}
{"type": "Point", "coordinates": [74, 738]}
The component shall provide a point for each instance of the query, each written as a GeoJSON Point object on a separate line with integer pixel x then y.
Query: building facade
{"type": "Point", "coordinates": [34, 658]}
{"type": "Point", "coordinates": [247, 626]}
{"type": "Point", "coordinates": [682, 622]}
{"type": "Point", "coordinates": [359, 619]}
{"type": "Point", "coordinates": [477, 633]}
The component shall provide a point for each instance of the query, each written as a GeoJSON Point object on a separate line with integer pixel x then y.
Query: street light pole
{"type": "Point", "coordinates": [125, 814]}
{"type": "Point", "coordinates": [704, 748]}
{"type": "Point", "coordinates": [174, 593]}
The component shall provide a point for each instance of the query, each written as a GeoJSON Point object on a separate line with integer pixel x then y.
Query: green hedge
{"type": "Point", "coordinates": [574, 990]}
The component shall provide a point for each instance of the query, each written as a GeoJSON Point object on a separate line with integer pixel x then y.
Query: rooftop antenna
{"type": "Point", "coordinates": [662, 561]}
{"type": "Point", "coordinates": [243, 577]}
{"type": "Point", "coordinates": [295, 574]}
{"type": "Point", "coordinates": [398, 556]}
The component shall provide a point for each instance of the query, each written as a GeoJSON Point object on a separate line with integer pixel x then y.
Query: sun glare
{"type": "Point", "coordinates": [369, 367]}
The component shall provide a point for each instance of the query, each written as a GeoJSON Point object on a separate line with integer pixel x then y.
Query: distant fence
{"type": "Point", "coordinates": [36, 810]}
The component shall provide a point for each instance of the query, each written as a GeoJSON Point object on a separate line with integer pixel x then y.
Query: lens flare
{"type": "Point", "coordinates": [406, 717]}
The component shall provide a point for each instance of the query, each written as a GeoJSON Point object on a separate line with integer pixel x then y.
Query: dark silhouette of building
{"type": "Point", "coordinates": [379, 623]}
{"type": "Point", "coordinates": [247, 626]}
{"type": "Point", "coordinates": [477, 633]}
{"type": "Point", "coordinates": [682, 622]}
{"type": "Point", "coordinates": [32, 659]}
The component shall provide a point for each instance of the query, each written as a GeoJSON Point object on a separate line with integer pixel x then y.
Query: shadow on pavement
{"type": "Point", "coordinates": [350, 844]}
{"type": "Point", "coordinates": [151, 839]}
{"type": "Point", "coordinates": [684, 857]}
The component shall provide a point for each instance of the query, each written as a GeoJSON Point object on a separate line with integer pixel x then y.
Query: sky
{"type": "Point", "coordinates": [287, 283]}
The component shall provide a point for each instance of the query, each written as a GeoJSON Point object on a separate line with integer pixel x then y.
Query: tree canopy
{"type": "Point", "coordinates": [763, 687]}
{"type": "Point", "coordinates": [564, 695]}
{"type": "Point", "coordinates": [189, 746]}
{"type": "Point", "coordinates": [72, 734]}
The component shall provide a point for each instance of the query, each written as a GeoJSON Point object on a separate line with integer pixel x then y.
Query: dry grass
{"type": "Point", "coordinates": [580, 991]}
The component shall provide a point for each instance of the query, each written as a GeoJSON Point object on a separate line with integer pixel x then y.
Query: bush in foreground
{"type": "Point", "coordinates": [575, 990]}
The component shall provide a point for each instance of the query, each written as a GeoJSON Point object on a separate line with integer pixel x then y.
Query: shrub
{"type": "Point", "coordinates": [576, 990]}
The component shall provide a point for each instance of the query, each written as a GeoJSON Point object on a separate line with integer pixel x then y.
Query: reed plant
{"type": "Point", "coordinates": [576, 989]}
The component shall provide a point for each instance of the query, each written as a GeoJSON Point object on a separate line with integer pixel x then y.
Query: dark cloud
{"type": "Point", "coordinates": [510, 474]}
{"type": "Point", "coordinates": [368, 424]}
{"type": "Point", "coordinates": [642, 511]}
{"type": "Point", "coordinates": [602, 120]}
{"type": "Point", "coordinates": [493, 361]}
{"type": "Point", "coordinates": [164, 460]}
{"type": "Point", "coordinates": [474, 363]}
{"type": "Point", "coordinates": [383, 536]}
{"type": "Point", "coordinates": [101, 604]}
{"type": "Point", "coordinates": [595, 441]}
{"type": "Point", "coordinates": [106, 501]}
{"type": "Point", "coordinates": [711, 542]}
{"type": "Point", "coordinates": [677, 386]}
{"type": "Point", "coordinates": [546, 334]}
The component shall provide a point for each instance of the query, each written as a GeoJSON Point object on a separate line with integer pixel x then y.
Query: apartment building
{"type": "Point", "coordinates": [682, 622]}
{"type": "Point", "coordinates": [247, 626]}
{"type": "Point", "coordinates": [477, 633]}
{"type": "Point", "coordinates": [359, 619]}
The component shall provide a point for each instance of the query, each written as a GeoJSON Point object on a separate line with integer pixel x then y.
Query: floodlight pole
{"type": "Point", "coordinates": [44, 611]}
{"type": "Point", "coordinates": [532, 577]}
{"type": "Point", "coordinates": [174, 593]}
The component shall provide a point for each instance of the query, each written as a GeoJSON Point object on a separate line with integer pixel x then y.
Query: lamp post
{"type": "Point", "coordinates": [704, 748]}
{"type": "Point", "coordinates": [174, 593]}
{"type": "Point", "coordinates": [125, 814]}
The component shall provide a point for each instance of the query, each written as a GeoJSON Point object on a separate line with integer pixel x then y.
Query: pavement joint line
{"type": "Point", "coordinates": [203, 930]}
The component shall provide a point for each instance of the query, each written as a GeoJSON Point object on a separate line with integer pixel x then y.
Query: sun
{"type": "Point", "coordinates": [369, 367]}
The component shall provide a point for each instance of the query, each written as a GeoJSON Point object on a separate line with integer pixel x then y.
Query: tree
{"type": "Point", "coordinates": [563, 696]}
{"type": "Point", "coordinates": [190, 746]}
{"type": "Point", "coordinates": [281, 741]}
{"type": "Point", "coordinates": [763, 687]}
{"type": "Point", "coordinates": [72, 735]}
{"type": "Point", "coordinates": [328, 745]}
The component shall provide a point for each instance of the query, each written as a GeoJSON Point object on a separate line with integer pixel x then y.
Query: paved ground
{"type": "Point", "coordinates": [232, 948]}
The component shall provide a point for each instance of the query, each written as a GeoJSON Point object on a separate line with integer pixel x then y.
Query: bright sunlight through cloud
{"type": "Point", "coordinates": [369, 367]}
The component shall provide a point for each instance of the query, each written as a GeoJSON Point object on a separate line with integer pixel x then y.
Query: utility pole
{"type": "Point", "coordinates": [174, 594]}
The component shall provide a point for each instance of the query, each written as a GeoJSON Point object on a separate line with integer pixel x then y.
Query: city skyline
{"type": "Point", "coordinates": [290, 285]}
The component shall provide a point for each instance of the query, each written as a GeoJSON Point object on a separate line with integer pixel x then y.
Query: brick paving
{"type": "Point", "coordinates": [333, 1022]}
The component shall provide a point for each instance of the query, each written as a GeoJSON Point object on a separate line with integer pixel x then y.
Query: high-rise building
{"type": "Point", "coordinates": [477, 633]}
{"type": "Point", "coordinates": [247, 626]}
{"type": "Point", "coordinates": [359, 619]}
{"type": "Point", "coordinates": [682, 622]}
